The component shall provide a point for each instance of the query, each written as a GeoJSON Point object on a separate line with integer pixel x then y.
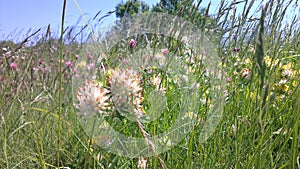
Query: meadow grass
{"type": "Point", "coordinates": [259, 128]}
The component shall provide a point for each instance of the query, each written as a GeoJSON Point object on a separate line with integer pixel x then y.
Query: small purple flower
{"type": "Point", "coordinates": [90, 56]}
{"type": "Point", "coordinates": [126, 61]}
{"type": "Point", "coordinates": [40, 62]}
{"type": "Point", "coordinates": [132, 43]}
{"type": "Point", "coordinates": [14, 65]}
{"type": "Point", "coordinates": [46, 70]}
{"type": "Point", "coordinates": [69, 64]}
{"type": "Point", "coordinates": [8, 53]}
{"type": "Point", "coordinates": [35, 69]}
{"type": "Point", "coordinates": [165, 51]}
{"type": "Point", "coordinates": [228, 79]}
{"type": "Point", "coordinates": [75, 70]}
{"type": "Point", "coordinates": [236, 49]}
{"type": "Point", "coordinates": [91, 66]}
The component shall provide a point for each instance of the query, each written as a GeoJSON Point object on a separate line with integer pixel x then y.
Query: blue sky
{"type": "Point", "coordinates": [20, 15]}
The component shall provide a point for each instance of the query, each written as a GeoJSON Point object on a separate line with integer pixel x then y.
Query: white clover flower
{"type": "Point", "coordinates": [142, 163]}
{"type": "Point", "coordinates": [126, 91]}
{"type": "Point", "coordinates": [156, 81]}
{"type": "Point", "coordinates": [282, 82]}
{"type": "Point", "coordinates": [93, 99]}
{"type": "Point", "coordinates": [287, 73]}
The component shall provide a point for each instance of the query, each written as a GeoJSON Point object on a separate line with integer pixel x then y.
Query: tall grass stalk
{"type": "Point", "coordinates": [60, 82]}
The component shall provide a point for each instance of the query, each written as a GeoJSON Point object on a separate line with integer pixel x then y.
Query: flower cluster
{"type": "Point", "coordinates": [28, 70]}
{"type": "Point", "coordinates": [92, 98]}
{"type": "Point", "coordinates": [286, 80]}
{"type": "Point", "coordinates": [124, 93]}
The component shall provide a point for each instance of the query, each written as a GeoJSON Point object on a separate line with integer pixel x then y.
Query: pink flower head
{"type": "Point", "coordinates": [165, 51]}
{"type": "Point", "coordinates": [69, 64]}
{"type": "Point", "coordinates": [40, 62]}
{"type": "Point", "coordinates": [90, 56]}
{"type": "Point", "coordinates": [13, 66]}
{"type": "Point", "coordinates": [126, 61]}
{"type": "Point", "coordinates": [46, 70]}
{"type": "Point", "coordinates": [228, 79]}
{"type": "Point", "coordinates": [91, 66]}
{"type": "Point", "coordinates": [132, 43]}
{"type": "Point", "coordinates": [75, 70]}
{"type": "Point", "coordinates": [35, 69]}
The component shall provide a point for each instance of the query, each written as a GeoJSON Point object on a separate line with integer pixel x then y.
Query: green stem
{"type": "Point", "coordinates": [60, 82]}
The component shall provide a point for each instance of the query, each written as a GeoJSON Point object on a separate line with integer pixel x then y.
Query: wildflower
{"type": "Point", "coordinates": [228, 79]}
{"type": "Point", "coordinates": [295, 83]}
{"type": "Point", "coordinates": [14, 65]}
{"type": "Point", "coordinates": [91, 66]}
{"type": "Point", "coordinates": [142, 163]}
{"type": "Point", "coordinates": [53, 49]}
{"type": "Point", "coordinates": [156, 81]}
{"type": "Point", "coordinates": [75, 70]}
{"type": "Point", "coordinates": [62, 61]}
{"type": "Point", "coordinates": [93, 99]}
{"type": "Point", "coordinates": [126, 91]}
{"type": "Point", "coordinates": [92, 144]}
{"type": "Point", "coordinates": [268, 60]}
{"type": "Point", "coordinates": [189, 115]}
{"type": "Point", "coordinates": [247, 61]}
{"type": "Point", "coordinates": [236, 49]}
{"type": "Point", "coordinates": [287, 73]}
{"type": "Point", "coordinates": [81, 64]}
{"type": "Point", "coordinates": [46, 70]}
{"type": "Point", "coordinates": [282, 86]}
{"type": "Point", "coordinates": [4, 49]}
{"type": "Point", "coordinates": [76, 57]}
{"type": "Point", "coordinates": [288, 66]}
{"type": "Point", "coordinates": [132, 43]}
{"type": "Point", "coordinates": [40, 62]}
{"type": "Point", "coordinates": [90, 56]}
{"type": "Point", "coordinates": [35, 69]}
{"type": "Point", "coordinates": [8, 53]}
{"type": "Point", "coordinates": [246, 74]}
{"type": "Point", "coordinates": [282, 81]}
{"type": "Point", "coordinates": [165, 51]}
{"type": "Point", "coordinates": [15, 56]}
{"type": "Point", "coordinates": [69, 64]}
{"type": "Point", "coordinates": [126, 61]}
